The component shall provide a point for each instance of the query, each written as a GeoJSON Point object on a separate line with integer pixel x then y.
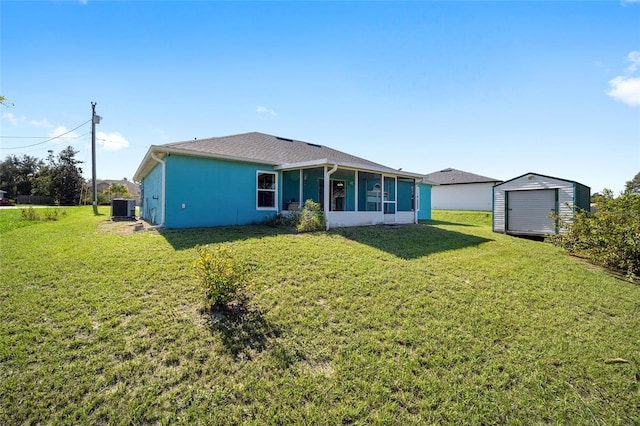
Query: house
{"type": "Point", "coordinates": [460, 190]}
{"type": "Point", "coordinates": [134, 189]}
{"type": "Point", "coordinates": [246, 178]}
{"type": "Point", "coordinates": [534, 204]}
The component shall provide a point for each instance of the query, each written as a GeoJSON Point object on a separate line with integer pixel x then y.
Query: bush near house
{"type": "Point", "coordinates": [311, 218]}
{"type": "Point", "coordinates": [610, 236]}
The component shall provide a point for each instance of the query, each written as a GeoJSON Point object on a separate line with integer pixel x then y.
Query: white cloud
{"type": "Point", "coordinates": [20, 120]}
{"type": "Point", "coordinates": [112, 141]}
{"type": "Point", "coordinates": [11, 118]}
{"type": "Point", "coordinates": [42, 123]}
{"type": "Point", "coordinates": [63, 135]}
{"type": "Point", "coordinates": [634, 58]}
{"type": "Point", "coordinates": [626, 88]}
{"type": "Point", "coordinates": [265, 111]}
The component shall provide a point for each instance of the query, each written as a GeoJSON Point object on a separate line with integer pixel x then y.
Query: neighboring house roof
{"type": "Point", "coordinates": [132, 187]}
{"type": "Point", "coordinates": [261, 148]}
{"type": "Point", "coordinates": [455, 177]}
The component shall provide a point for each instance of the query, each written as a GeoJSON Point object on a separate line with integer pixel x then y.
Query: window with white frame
{"type": "Point", "coordinates": [266, 187]}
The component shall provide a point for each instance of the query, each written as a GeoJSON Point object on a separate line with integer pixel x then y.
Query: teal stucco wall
{"type": "Point", "coordinates": [151, 195]}
{"type": "Point", "coordinates": [425, 202]}
{"type": "Point", "coordinates": [203, 192]}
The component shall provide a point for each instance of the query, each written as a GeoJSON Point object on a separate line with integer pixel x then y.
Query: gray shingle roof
{"type": "Point", "coordinates": [269, 149]}
{"type": "Point", "coordinates": [453, 176]}
{"type": "Point", "coordinates": [264, 149]}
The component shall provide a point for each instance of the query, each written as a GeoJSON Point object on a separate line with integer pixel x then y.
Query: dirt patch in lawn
{"type": "Point", "coordinates": [122, 227]}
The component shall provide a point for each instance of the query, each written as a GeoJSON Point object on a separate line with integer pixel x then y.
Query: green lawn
{"type": "Point", "coordinates": [443, 322]}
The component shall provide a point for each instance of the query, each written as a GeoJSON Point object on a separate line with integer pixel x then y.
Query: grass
{"type": "Point", "coordinates": [443, 322]}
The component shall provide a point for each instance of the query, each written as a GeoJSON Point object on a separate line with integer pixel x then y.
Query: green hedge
{"type": "Point", "coordinates": [609, 236]}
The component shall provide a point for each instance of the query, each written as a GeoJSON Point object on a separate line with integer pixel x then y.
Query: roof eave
{"type": "Point", "coordinates": [347, 165]}
{"type": "Point", "coordinates": [148, 162]}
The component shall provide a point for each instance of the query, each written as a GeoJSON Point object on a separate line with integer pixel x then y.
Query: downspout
{"type": "Point", "coordinates": [416, 201]}
{"type": "Point", "coordinates": [327, 186]}
{"type": "Point", "coordinates": [163, 191]}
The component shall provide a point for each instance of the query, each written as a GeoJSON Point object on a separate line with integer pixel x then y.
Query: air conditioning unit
{"type": "Point", "coordinates": [123, 208]}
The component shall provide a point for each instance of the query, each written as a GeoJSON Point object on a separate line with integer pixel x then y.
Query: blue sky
{"type": "Point", "coordinates": [494, 88]}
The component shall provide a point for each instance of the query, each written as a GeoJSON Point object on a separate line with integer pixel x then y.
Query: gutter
{"type": "Point", "coordinates": [163, 191]}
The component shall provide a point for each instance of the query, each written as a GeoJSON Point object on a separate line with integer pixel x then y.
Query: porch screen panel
{"type": "Point", "coordinates": [406, 195]}
{"type": "Point", "coordinates": [389, 195]}
{"type": "Point", "coordinates": [349, 177]}
{"type": "Point", "coordinates": [310, 181]}
{"type": "Point", "coordinates": [290, 188]}
{"type": "Point", "coordinates": [369, 192]}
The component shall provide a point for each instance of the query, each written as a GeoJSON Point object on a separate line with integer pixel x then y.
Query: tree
{"type": "Point", "coordinates": [118, 190]}
{"type": "Point", "coordinates": [67, 178]}
{"type": "Point", "coordinates": [633, 186]}
{"type": "Point", "coordinates": [17, 174]}
{"type": "Point", "coordinates": [5, 102]}
{"type": "Point", "coordinates": [60, 178]}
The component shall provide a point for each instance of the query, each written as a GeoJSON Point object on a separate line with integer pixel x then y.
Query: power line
{"type": "Point", "coordinates": [23, 137]}
{"type": "Point", "coordinates": [50, 139]}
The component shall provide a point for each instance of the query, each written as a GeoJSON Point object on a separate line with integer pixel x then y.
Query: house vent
{"type": "Point", "coordinates": [284, 139]}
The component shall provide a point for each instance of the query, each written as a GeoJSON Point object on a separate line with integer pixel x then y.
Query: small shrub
{"type": "Point", "coordinates": [289, 220]}
{"type": "Point", "coordinates": [311, 218]}
{"type": "Point", "coordinates": [33, 215]}
{"type": "Point", "coordinates": [30, 214]}
{"type": "Point", "coordinates": [102, 199]}
{"type": "Point", "coordinates": [222, 276]}
{"type": "Point", "coordinates": [53, 214]}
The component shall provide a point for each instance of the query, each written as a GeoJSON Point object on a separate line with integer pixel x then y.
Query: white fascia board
{"type": "Point", "coordinates": [145, 166]}
{"type": "Point", "coordinates": [347, 165]}
{"type": "Point", "coordinates": [304, 164]}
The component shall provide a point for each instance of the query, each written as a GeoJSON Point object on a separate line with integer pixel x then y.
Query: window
{"type": "Point", "coordinates": [266, 186]}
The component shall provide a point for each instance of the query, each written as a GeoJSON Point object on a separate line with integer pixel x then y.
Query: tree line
{"type": "Point", "coordinates": [58, 178]}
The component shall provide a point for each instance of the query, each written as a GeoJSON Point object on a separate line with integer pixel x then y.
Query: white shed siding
{"type": "Point", "coordinates": [468, 196]}
{"type": "Point", "coordinates": [531, 182]}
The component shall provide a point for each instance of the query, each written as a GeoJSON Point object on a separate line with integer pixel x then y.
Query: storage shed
{"type": "Point", "coordinates": [527, 204]}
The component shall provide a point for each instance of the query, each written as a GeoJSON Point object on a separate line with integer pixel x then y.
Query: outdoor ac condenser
{"type": "Point", "coordinates": [123, 208]}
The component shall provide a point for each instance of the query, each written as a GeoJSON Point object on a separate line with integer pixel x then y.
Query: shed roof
{"type": "Point", "coordinates": [264, 149]}
{"type": "Point", "coordinates": [451, 176]}
{"type": "Point", "coordinates": [544, 176]}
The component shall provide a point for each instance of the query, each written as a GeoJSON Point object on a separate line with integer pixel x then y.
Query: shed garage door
{"type": "Point", "coordinates": [528, 211]}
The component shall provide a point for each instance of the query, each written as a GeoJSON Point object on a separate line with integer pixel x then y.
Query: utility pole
{"type": "Point", "coordinates": [95, 119]}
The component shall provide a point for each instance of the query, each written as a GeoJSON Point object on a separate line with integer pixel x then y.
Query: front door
{"type": "Point", "coordinates": [389, 200]}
